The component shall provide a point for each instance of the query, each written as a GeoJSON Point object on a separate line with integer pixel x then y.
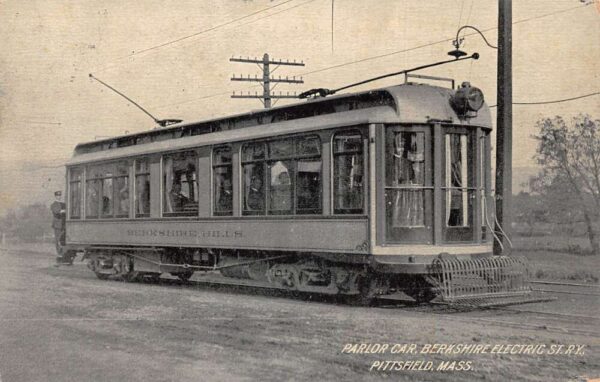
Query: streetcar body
{"type": "Point", "coordinates": [320, 196]}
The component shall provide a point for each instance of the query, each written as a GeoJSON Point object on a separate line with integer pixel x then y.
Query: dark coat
{"type": "Point", "coordinates": [58, 214]}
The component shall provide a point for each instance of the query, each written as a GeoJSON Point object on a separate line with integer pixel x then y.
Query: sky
{"type": "Point", "coordinates": [172, 57]}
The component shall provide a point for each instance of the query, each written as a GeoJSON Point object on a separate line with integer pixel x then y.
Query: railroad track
{"type": "Point", "coordinates": [512, 317]}
{"type": "Point", "coordinates": [519, 316]}
{"type": "Point", "coordinates": [585, 289]}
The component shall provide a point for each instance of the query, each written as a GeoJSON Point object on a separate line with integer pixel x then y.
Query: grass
{"type": "Point", "coordinates": [559, 258]}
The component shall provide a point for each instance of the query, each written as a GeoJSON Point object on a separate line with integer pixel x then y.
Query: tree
{"type": "Point", "coordinates": [27, 223]}
{"type": "Point", "coordinates": [570, 159]}
{"type": "Point", "coordinates": [529, 210]}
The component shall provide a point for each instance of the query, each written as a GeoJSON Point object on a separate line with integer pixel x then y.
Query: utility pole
{"type": "Point", "coordinates": [504, 126]}
{"type": "Point", "coordinates": [265, 65]}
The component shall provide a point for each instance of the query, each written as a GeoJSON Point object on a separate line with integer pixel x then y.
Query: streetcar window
{"type": "Point", "coordinates": [308, 175]}
{"type": "Point", "coordinates": [75, 192]}
{"type": "Point", "coordinates": [107, 190]}
{"type": "Point", "coordinates": [93, 191]}
{"type": "Point", "coordinates": [486, 202]}
{"type": "Point", "coordinates": [458, 190]}
{"type": "Point", "coordinates": [405, 184]}
{"type": "Point", "coordinates": [92, 198]}
{"type": "Point", "coordinates": [107, 200]}
{"type": "Point", "coordinates": [282, 177]}
{"type": "Point", "coordinates": [280, 187]}
{"type": "Point", "coordinates": [121, 190]}
{"type": "Point", "coordinates": [180, 184]}
{"type": "Point", "coordinates": [222, 181]}
{"type": "Point", "coordinates": [348, 173]}
{"type": "Point", "coordinates": [253, 174]}
{"type": "Point", "coordinates": [142, 188]}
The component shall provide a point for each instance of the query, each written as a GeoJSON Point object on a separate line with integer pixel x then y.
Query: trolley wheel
{"type": "Point", "coordinates": [102, 276]}
{"type": "Point", "coordinates": [367, 287]}
{"type": "Point", "coordinates": [131, 277]}
{"type": "Point", "coordinates": [151, 277]}
{"type": "Point", "coordinates": [421, 291]}
{"type": "Point", "coordinates": [183, 276]}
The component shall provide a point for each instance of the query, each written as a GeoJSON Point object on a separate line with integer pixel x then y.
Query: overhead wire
{"type": "Point", "coordinates": [396, 52]}
{"type": "Point", "coordinates": [437, 42]}
{"type": "Point", "coordinates": [249, 87]}
{"type": "Point", "coordinates": [135, 53]}
{"type": "Point", "coordinates": [554, 101]}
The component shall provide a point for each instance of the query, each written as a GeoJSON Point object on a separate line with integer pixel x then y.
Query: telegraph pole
{"type": "Point", "coordinates": [267, 80]}
{"type": "Point", "coordinates": [504, 125]}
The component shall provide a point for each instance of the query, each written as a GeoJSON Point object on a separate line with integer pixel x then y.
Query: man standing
{"type": "Point", "coordinates": [58, 223]}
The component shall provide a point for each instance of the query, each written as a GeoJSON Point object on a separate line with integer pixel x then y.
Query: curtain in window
{"type": "Point", "coordinates": [168, 171]}
{"type": "Point", "coordinates": [456, 180]}
{"type": "Point", "coordinates": [409, 166]}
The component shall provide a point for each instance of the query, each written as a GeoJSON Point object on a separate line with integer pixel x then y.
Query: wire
{"type": "Point", "coordinates": [462, 5]}
{"type": "Point", "coordinates": [210, 29]}
{"type": "Point", "coordinates": [555, 101]}
{"type": "Point", "coordinates": [487, 222]}
{"type": "Point", "coordinates": [196, 99]}
{"type": "Point", "coordinates": [41, 122]}
{"type": "Point", "coordinates": [392, 53]}
{"type": "Point", "coordinates": [197, 33]}
{"type": "Point", "coordinates": [436, 42]}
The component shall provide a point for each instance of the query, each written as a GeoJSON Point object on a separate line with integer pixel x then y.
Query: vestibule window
{"type": "Point", "coordinates": [107, 190]}
{"type": "Point", "coordinates": [487, 213]}
{"type": "Point", "coordinates": [180, 187]}
{"type": "Point", "coordinates": [459, 186]}
{"type": "Point", "coordinates": [222, 182]}
{"type": "Point", "coordinates": [75, 192]}
{"type": "Point", "coordinates": [406, 185]}
{"type": "Point", "coordinates": [457, 181]}
{"type": "Point", "coordinates": [142, 188]}
{"type": "Point", "coordinates": [282, 177]}
{"type": "Point", "coordinates": [348, 197]}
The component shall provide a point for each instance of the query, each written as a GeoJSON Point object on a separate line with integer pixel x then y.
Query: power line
{"type": "Point", "coordinates": [211, 29]}
{"type": "Point", "coordinates": [200, 32]}
{"type": "Point", "coordinates": [555, 101]}
{"type": "Point", "coordinates": [435, 42]}
{"type": "Point", "coordinates": [42, 122]}
{"type": "Point", "coordinates": [391, 53]}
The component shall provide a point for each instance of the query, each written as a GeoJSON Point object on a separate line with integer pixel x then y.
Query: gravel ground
{"type": "Point", "coordinates": [63, 324]}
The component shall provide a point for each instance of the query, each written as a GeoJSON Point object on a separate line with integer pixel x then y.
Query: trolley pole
{"type": "Point", "coordinates": [504, 126]}
{"type": "Point", "coordinates": [267, 79]}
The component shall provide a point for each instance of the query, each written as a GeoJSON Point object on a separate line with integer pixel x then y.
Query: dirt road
{"type": "Point", "coordinates": [63, 324]}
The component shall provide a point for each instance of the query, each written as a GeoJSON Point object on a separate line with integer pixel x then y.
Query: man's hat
{"type": "Point", "coordinates": [58, 193]}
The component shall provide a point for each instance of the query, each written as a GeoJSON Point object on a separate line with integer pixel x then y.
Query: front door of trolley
{"type": "Point", "coordinates": [408, 184]}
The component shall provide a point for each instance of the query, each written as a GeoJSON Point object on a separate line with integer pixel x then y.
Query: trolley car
{"type": "Point", "coordinates": [362, 194]}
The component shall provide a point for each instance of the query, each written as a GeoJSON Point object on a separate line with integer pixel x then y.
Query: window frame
{"type": "Point", "coordinates": [137, 175]}
{"type": "Point", "coordinates": [422, 234]}
{"type": "Point", "coordinates": [463, 233]}
{"type": "Point", "coordinates": [267, 160]}
{"type": "Point", "coordinates": [163, 189]}
{"type": "Point", "coordinates": [78, 182]}
{"type": "Point", "coordinates": [365, 181]}
{"type": "Point", "coordinates": [214, 166]}
{"type": "Point", "coordinates": [100, 180]}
